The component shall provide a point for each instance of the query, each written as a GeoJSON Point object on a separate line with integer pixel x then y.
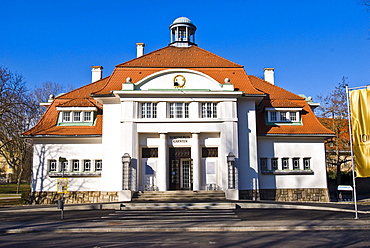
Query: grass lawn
{"type": "Point", "coordinates": [11, 188]}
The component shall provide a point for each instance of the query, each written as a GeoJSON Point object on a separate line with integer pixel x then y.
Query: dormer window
{"type": "Point", "coordinates": [76, 116]}
{"type": "Point", "coordinates": [66, 116]}
{"type": "Point", "coordinates": [283, 115]}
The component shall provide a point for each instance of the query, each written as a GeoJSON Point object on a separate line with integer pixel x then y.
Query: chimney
{"type": "Point", "coordinates": [139, 49]}
{"type": "Point", "coordinates": [269, 75]}
{"type": "Point", "coordinates": [96, 73]}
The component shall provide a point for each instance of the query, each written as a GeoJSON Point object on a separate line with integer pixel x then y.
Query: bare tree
{"type": "Point", "coordinates": [42, 94]}
{"type": "Point", "coordinates": [334, 116]}
{"type": "Point", "coordinates": [17, 113]}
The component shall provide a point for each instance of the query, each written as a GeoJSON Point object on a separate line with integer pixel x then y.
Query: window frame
{"type": "Point", "coordinates": [98, 163]}
{"type": "Point", "coordinates": [296, 163]}
{"type": "Point", "coordinates": [209, 109]}
{"type": "Point", "coordinates": [283, 115]}
{"type": "Point", "coordinates": [307, 161]}
{"type": "Point", "coordinates": [89, 114]}
{"type": "Point", "coordinates": [148, 110]}
{"type": "Point", "coordinates": [179, 110]}
{"type": "Point", "coordinates": [75, 115]}
{"type": "Point", "coordinates": [53, 165]}
{"type": "Point", "coordinates": [274, 163]}
{"type": "Point", "coordinates": [87, 165]}
{"type": "Point", "coordinates": [285, 163]}
{"type": "Point", "coordinates": [66, 116]}
{"type": "Point", "coordinates": [209, 152]}
{"type": "Point", "coordinates": [74, 167]}
{"type": "Point", "coordinates": [264, 164]}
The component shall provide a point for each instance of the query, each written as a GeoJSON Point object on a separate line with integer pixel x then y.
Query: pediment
{"type": "Point", "coordinates": [175, 79]}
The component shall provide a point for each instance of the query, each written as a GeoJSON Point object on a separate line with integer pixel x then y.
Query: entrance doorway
{"type": "Point", "coordinates": [181, 169]}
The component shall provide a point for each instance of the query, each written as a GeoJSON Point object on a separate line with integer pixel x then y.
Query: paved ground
{"type": "Point", "coordinates": [253, 216]}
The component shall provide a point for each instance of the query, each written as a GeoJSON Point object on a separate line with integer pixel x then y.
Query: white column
{"type": "Point", "coordinates": [162, 163]}
{"type": "Point", "coordinates": [196, 161]}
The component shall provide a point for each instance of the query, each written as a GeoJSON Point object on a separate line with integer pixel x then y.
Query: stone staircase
{"type": "Point", "coordinates": [179, 196]}
{"type": "Point", "coordinates": [158, 215]}
{"type": "Point", "coordinates": [148, 207]}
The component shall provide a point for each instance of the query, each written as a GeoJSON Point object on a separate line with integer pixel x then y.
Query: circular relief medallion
{"type": "Point", "coordinates": [179, 81]}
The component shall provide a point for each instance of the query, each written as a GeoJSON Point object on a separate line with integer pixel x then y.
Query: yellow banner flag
{"type": "Point", "coordinates": [360, 111]}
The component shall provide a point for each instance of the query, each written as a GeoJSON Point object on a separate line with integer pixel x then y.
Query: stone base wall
{"type": "Point", "coordinates": [290, 195]}
{"type": "Point", "coordinates": [73, 197]}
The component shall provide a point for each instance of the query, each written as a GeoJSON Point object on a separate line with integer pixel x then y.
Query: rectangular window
{"type": "Point", "coordinates": [283, 116]}
{"type": "Point", "coordinates": [285, 163]}
{"type": "Point", "coordinates": [75, 165]}
{"type": "Point", "coordinates": [263, 165]}
{"type": "Point", "coordinates": [274, 163]}
{"type": "Point", "coordinates": [52, 165]}
{"type": "Point", "coordinates": [87, 165]}
{"type": "Point", "coordinates": [64, 166]}
{"type": "Point", "coordinates": [296, 164]}
{"type": "Point", "coordinates": [149, 153]}
{"type": "Point", "coordinates": [179, 110]}
{"type": "Point", "coordinates": [307, 163]}
{"type": "Point", "coordinates": [273, 116]}
{"type": "Point", "coordinates": [148, 110]}
{"type": "Point", "coordinates": [98, 165]}
{"type": "Point", "coordinates": [293, 116]}
{"type": "Point", "coordinates": [209, 110]}
{"type": "Point", "coordinates": [87, 116]}
{"type": "Point", "coordinates": [66, 116]}
{"type": "Point", "coordinates": [77, 116]}
{"type": "Point", "coordinates": [209, 152]}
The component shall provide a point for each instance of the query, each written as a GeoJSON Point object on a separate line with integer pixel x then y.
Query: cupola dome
{"type": "Point", "coordinates": [182, 32]}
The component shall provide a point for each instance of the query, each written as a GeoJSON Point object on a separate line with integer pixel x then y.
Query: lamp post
{"type": "Point", "coordinates": [61, 201]}
{"type": "Point", "coordinates": [126, 161]}
{"type": "Point", "coordinates": [231, 169]}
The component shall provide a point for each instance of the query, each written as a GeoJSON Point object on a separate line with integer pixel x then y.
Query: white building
{"type": "Point", "coordinates": [180, 118]}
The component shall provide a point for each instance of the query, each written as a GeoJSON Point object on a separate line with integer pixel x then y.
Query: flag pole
{"type": "Point", "coordinates": [351, 145]}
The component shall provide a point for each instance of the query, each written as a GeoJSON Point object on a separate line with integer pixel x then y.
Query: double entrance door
{"type": "Point", "coordinates": [181, 169]}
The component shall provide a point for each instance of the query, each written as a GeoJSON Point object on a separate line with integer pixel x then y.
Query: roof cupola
{"type": "Point", "coordinates": [182, 32]}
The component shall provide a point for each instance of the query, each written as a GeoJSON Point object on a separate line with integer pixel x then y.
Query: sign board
{"type": "Point", "coordinates": [62, 160]}
{"type": "Point", "coordinates": [345, 188]}
{"type": "Point", "coordinates": [211, 168]}
{"type": "Point", "coordinates": [62, 185]}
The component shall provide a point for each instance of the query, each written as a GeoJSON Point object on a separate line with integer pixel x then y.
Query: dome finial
{"type": "Point", "coordinates": [182, 32]}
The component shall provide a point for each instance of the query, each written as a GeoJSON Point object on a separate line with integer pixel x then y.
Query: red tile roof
{"type": "Point", "coordinates": [76, 98]}
{"type": "Point", "coordinates": [180, 57]}
{"type": "Point", "coordinates": [169, 57]}
{"type": "Point", "coordinates": [285, 99]}
{"type": "Point", "coordinates": [83, 102]}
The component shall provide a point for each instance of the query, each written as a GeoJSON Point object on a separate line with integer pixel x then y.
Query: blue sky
{"type": "Point", "coordinates": [311, 44]}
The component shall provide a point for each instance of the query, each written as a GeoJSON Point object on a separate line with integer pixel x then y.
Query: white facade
{"type": "Point", "coordinates": [179, 129]}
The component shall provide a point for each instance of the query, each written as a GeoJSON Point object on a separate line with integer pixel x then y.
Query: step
{"type": "Point", "coordinates": [182, 212]}
{"type": "Point", "coordinates": [181, 192]}
{"type": "Point", "coordinates": [176, 205]}
{"type": "Point", "coordinates": [178, 199]}
{"type": "Point", "coordinates": [179, 195]}
{"type": "Point", "coordinates": [178, 215]}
